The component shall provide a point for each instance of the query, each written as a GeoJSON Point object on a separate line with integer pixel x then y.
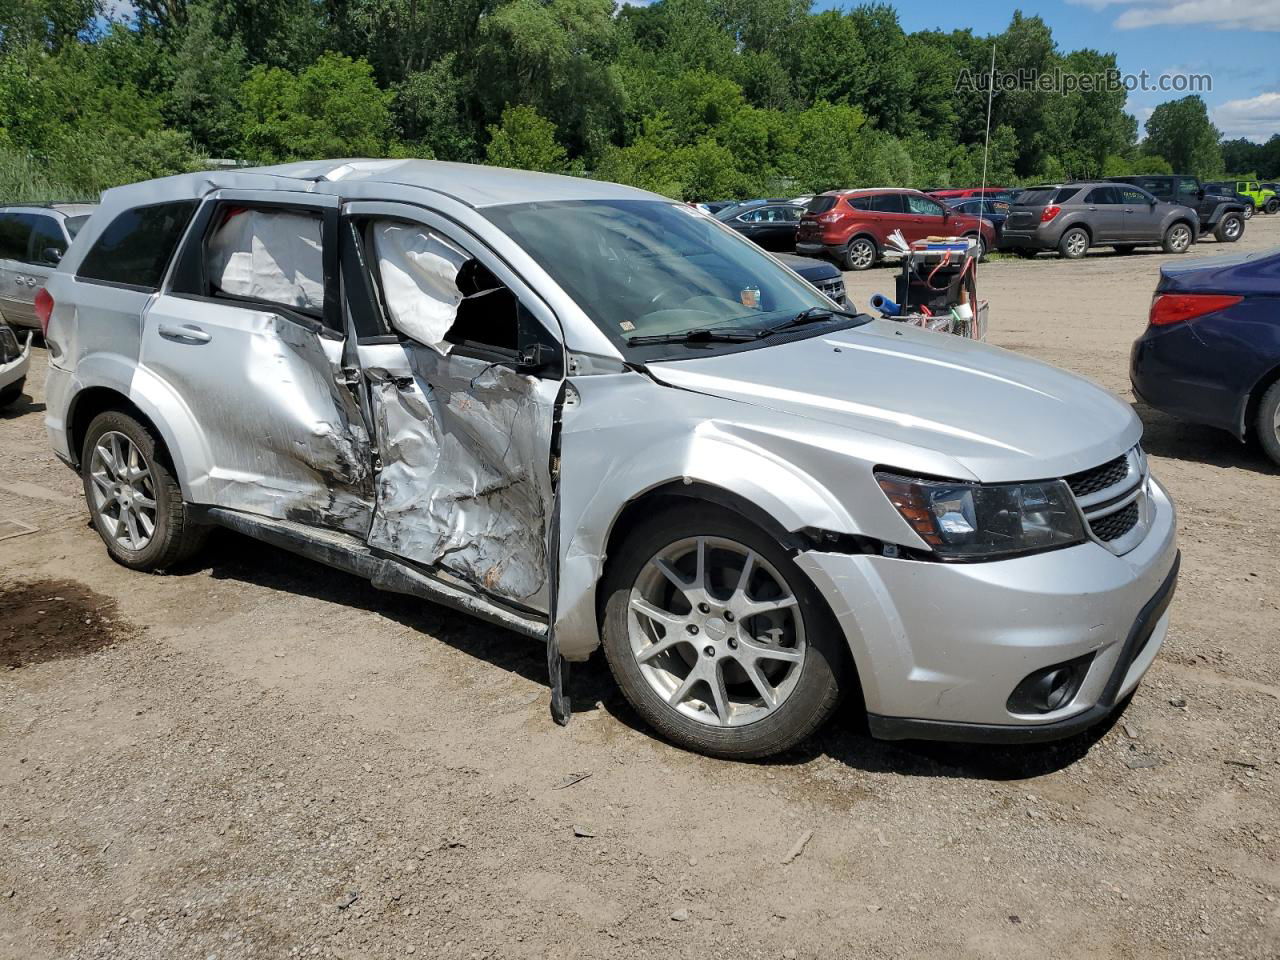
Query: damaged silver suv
{"type": "Point", "coordinates": [591, 415]}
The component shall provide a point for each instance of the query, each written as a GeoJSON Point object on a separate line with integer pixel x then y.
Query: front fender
{"type": "Point", "coordinates": [624, 436]}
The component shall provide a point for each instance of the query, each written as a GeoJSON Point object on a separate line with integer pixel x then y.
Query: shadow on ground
{"type": "Point", "coordinates": [1166, 436]}
{"type": "Point", "coordinates": [592, 688]}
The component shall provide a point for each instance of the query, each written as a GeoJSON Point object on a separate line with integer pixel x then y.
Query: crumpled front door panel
{"type": "Point", "coordinates": [464, 483]}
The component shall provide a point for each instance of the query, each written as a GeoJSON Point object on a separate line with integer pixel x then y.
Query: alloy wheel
{"type": "Point", "coordinates": [861, 254]}
{"type": "Point", "coordinates": [716, 631]}
{"type": "Point", "coordinates": [1077, 244]}
{"type": "Point", "coordinates": [123, 491]}
{"type": "Point", "coordinates": [1179, 238]}
{"type": "Point", "coordinates": [1232, 229]}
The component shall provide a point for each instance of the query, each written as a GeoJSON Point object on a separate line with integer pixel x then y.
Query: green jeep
{"type": "Point", "coordinates": [1263, 199]}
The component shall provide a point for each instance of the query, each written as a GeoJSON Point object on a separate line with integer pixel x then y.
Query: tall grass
{"type": "Point", "coordinates": [23, 179]}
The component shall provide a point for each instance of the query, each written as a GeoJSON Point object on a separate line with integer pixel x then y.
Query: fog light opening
{"type": "Point", "coordinates": [1050, 688]}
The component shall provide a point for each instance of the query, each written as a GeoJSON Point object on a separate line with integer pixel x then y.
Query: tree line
{"type": "Point", "coordinates": [696, 99]}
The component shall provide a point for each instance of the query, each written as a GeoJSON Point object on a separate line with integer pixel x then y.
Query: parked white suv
{"type": "Point", "coordinates": [584, 412]}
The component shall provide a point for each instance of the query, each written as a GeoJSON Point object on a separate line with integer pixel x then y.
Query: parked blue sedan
{"type": "Point", "coordinates": [1211, 350]}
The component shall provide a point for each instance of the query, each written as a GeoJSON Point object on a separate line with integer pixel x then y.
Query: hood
{"type": "Point", "coordinates": [809, 268]}
{"type": "Point", "coordinates": [999, 415]}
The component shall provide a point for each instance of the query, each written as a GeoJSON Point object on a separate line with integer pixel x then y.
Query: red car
{"type": "Point", "coordinates": [853, 226]}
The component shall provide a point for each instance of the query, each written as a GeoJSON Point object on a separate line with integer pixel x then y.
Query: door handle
{"type": "Point", "coordinates": [184, 334]}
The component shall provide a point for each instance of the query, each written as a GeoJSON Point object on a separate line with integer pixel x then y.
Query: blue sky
{"type": "Point", "coordinates": [1237, 42]}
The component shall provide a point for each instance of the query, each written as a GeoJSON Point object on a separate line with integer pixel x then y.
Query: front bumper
{"type": "Point", "coordinates": [940, 647]}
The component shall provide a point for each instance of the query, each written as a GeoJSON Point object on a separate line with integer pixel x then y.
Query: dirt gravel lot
{"type": "Point", "coordinates": [257, 757]}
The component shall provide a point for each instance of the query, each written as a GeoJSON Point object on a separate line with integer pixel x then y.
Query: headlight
{"type": "Point", "coordinates": [970, 521]}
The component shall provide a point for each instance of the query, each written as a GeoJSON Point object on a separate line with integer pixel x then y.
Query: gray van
{"type": "Point", "coordinates": [33, 239]}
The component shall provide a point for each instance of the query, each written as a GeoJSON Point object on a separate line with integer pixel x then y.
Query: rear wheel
{"type": "Point", "coordinates": [716, 637]}
{"type": "Point", "coordinates": [1074, 243]}
{"type": "Point", "coordinates": [1177, 239]}
{"type": "Point", "coordinates": [981, 252]}
{"type": "Point", "coordinates": [1230, 228]}
{"type": "Point", "coordinates": [1248, 211]}
{"type": "Point", "coordinates": [134, 501]}
{"type": "Point", "coordinates": [861, 254]}
{"type": "Point", "coordinates": [1272, 205]}
{"type": "Point", "coordinates": [1268, 422]}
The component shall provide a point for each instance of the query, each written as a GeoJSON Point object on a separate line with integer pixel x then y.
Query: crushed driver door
{"type": "Point", "coordinates": [462, 413]}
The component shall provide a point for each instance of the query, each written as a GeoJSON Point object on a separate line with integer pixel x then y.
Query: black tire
{"type": "Point", "coordinates": [1124, 249]}
{"type": "Point", "coordinates": [1230, 228]}
{"type": "Point", "coordinates": [982, 245]}
{"type": "Point", "coordinates": [825, 665]}
{"type": "Point", "coordinates": [1069, 244]}
{"type": "Point", "coordinates": [176, 535]}
{"type": "Point", "coordinates": [1267, 423]}
{"type": "Point", "coordinates": [1178, 238]}
{"type": "Point", "coordinates": [12, 392]}
{"type": "Point", "coordinates": [1272, 205]}
{"type": "Point", "coordinates": [861, 254]}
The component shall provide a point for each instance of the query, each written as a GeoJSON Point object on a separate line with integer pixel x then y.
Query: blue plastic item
{"type": "Point", "coordinates": [886, 306]}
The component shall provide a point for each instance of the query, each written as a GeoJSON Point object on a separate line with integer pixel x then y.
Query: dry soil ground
{"type": "Point", "coordinates": [257, 757]}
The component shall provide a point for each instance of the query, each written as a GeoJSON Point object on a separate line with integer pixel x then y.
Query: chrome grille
{"type": "Point", "coordinates": [1113, 526]}
{"type": "Point", "coordinates": [1113, 498]}
{"type": "Point", "coordinates": [833, 288]}
{"type": "Point", "coordinates": [1099, 478]}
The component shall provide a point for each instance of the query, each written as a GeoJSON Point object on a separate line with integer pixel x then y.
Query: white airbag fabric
{"type": "Point", "coordinates": [272, 256]}
{"type": "Point", "coordinates": [419, 280]}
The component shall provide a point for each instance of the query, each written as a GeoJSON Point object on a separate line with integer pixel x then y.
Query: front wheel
{"type": "Point", "coordinates": [1248, 212]}
{"type": "Point", "coordinates": [134, 501]}
{"type": "Point", "coordinates": [1177, 239]}
{"type": "Point", "coordinates": [717, 639]}
{"type": "Point", "coordinates": [1073, 244]}
{"type": "Point", "coordinates": [861, 254]}
{"type": "Point", "coordinates": [1268, 422]}
{"type": "Point", "coordinates": [981, 252]}
{"type": "Point", "coordinates": [1230, 228]}
{"type": "Point", "coordinates": [1273, 205]}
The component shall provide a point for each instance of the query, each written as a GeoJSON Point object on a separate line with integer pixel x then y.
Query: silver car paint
{"type": "Point", "coordinates": [794, 430]}
{"type": "Point", "coordinates": [16, 368]}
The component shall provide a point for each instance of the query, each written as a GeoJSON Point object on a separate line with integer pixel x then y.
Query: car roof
{"type": "Point", "coordinates": [65, 209]}
{"type": "Point", "coordinates": [471, 183]}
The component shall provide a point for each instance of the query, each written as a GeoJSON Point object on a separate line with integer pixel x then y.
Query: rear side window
{"type": "Point", "coordinates": [136, 247]}
{"type": "Point", "coordinates": [47, 242]}
{"type": "Point", "coordinates": [859, 203]}
{"type": "Point", "coordinates": [15, 235]}
{"type": "Point", "coordinates": [820, 204]}
{"type": "Point", "coordinates": [888, 203]}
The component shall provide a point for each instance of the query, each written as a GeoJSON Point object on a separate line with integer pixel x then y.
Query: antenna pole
{"type": "Point", "coordinates": [986, 147]}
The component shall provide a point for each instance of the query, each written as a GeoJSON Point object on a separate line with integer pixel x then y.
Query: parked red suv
{"type": "Point", "coordinates": [853, 226]}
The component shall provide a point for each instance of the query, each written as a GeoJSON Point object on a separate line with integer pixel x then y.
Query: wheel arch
{"type": "Point", "coordinates": [1253, 399]}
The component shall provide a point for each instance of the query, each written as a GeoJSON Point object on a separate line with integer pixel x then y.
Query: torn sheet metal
{"type": "Point", "coordinates": [14, 359]}
{"type": "Point", "coordinates": [464, 483]}
{"type": "Point", "coordinates": [269, 255]}
{"type": "Point", "coordinates": [419, 272]}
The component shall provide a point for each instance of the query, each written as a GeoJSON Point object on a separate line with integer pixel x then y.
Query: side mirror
{"type": "Point", "coordinates": [51, 255]}
{"type": "Point", "coordinates": [535, 358]}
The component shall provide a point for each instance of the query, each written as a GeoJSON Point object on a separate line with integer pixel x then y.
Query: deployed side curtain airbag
{"type": "Point", "coordinates": [419, 273]}
{"type": "Point", "coordinates": [269, 255]}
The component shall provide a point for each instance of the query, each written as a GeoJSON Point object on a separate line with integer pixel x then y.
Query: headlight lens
{"type": "Point", "coordinates": [970, 521]}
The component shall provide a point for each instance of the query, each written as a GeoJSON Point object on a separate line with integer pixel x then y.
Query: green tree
{"type": "Point", "coordinates": [526, 140]}
{"type": "Point", "coordinates": [430, 112]}
{"type": "Point", "coordinates": [204, 97]}
{"type": "Point", "coordinates": [331, 109]}
{"type": "Point", "coordinates": [1180, 132]}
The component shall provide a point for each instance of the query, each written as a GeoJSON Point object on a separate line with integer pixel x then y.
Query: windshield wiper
{"type": "Point", "coordinates": [697, 335]}
{"type": "Point", "coordinates": [812, 315]}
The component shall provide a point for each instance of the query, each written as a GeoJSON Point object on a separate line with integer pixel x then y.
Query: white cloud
{"type": "Point", "coordinates": [1255, 118]}
{"type": "Point", "coordinates": [1218, 14]}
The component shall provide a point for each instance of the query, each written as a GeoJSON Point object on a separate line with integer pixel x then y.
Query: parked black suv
{"type": "Point", "coordinates": [1221, 215]}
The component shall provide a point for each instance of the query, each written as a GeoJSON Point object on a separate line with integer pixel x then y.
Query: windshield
{"type": "Point", "coordinates": [648, 268]}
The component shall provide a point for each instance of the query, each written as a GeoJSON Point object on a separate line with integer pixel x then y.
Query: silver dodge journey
{"type": "Point", "coordinates": [597, 417]}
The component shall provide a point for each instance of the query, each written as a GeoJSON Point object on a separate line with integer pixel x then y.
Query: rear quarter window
{"type": "Point", "coordinates": [15, 235]}
{"type": "Point", "coordinates": [137, 245]}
